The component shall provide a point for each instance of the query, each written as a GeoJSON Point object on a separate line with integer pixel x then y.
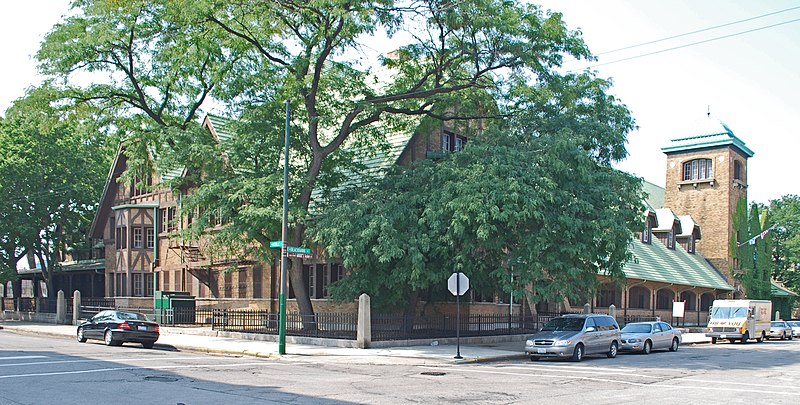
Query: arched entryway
{"type": "Point", "coordinates": [690, 298]}
{"type": "Point", "coordinates": [609, 294]}
{"type": "Point", "coordinates": [664, 298]}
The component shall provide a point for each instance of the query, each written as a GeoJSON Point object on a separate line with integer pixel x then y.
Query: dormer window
{"type": "Point", "coordinates": [671, 239]}
{"type": "Point", "coordinates": [690, 244]}
{"type": "Point", "coordinates": [698, 169]}
{"type": "Point", "coordinates": [647, 232]}
{"type": "Point", "coordinates": [452, 142]}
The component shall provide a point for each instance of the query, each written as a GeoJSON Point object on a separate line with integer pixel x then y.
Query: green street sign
{"type": "Point", "coordinates": [293, 249]}
{"type": "Point", "coordinates": [275, 244]}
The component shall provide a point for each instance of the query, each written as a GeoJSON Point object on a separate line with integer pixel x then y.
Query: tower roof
{"type": "Point", "coordinates": [707, 133]}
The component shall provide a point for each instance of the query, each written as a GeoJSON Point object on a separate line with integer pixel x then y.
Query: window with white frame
{"type": "Point", "coordinates": [150, 237]}
{"type": "Point", "coordinates": [698, 169]}
{"type": "Point", "coordinates": [138, 284]}
{"type": "Point", "coordinates": [137, 238]}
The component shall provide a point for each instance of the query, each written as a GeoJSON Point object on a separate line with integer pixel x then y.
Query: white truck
{"type": "Point", "coordinates": [739, 319]}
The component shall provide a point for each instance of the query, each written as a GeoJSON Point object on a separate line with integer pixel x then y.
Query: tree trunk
{"type": "Point", "coordinates": [299, 285]}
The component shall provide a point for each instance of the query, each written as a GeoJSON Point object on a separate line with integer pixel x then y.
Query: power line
{"type": "Point", "coordinates": [698, 31]}
{"type": "Point", "coordinates": [695, 43]}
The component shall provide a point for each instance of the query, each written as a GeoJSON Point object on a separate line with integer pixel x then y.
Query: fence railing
{"type": "Point", "coordinates": [323, 325]}
{"type": "Point", "coordinates": [397, 327]}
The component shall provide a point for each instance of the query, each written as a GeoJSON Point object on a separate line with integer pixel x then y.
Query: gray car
{"type": "Point", "coordinates": [647, 336]}
{"type": "Point", "coordinates": [574, 336]}
{"type": "Point", "coordinates": [780, 330]}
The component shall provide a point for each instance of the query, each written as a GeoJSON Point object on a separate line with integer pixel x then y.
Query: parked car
{"type": "Point", "coordinates": [116, 327]}
{"type": "Point", "coordinates": [647, 336]}
{"type": "Point", "coordinates": [780, 329]}
{"type": "Point", "coordinates": [575, 336]}
{"type": "Point", "coordinates": [795, 328]}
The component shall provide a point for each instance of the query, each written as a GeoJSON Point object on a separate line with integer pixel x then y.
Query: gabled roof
{"type": "Point", "coordinates": [655, 194]}
{"type": "Point", "coordinates": [665, 219]}
{"type": "Point", "coordinates": [655, 262]}
{"type": "Point", "coordinates": [106, 200]}
{"type": "Point", "coordinates": [707, 133]}
{"type": "Point", "coordinates": [688, 227]}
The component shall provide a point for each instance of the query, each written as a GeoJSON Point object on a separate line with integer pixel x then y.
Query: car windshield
{"type": "Point", "coordinates": [564, 324]}
{"type": "Point", "coordinates": [729, 312]}
{"type": "Point", "coordinates": [637, 328]}
{"type": "Point", "coordinates": [794, 323]}
{"type": "Point", "coordinates": [131, 316]}
{"type": "Point", "coordinates": [776, 324]}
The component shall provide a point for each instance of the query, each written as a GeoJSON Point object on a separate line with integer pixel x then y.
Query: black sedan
{"type": "Point", "coordinates": [116, 327]}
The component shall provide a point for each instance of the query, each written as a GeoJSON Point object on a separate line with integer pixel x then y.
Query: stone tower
{"type": "Point", "coordinates": [706, 177]}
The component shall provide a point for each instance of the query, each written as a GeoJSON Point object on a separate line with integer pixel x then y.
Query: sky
{"type": "Point", "coordinates": [748, 80]}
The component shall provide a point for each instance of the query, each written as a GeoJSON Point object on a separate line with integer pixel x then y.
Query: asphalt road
{"type": "Point", "coordinates": [45, 370]}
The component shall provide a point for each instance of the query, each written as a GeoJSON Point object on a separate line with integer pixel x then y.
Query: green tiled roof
{"type": "Point", "coordinates": [708, 133]}
{"type": "Point", "coordinates": [655, 194]}
{"type": "Point", "coordinates": [782, 292]}
{"type": "Point", "coordinates": [654, 262]}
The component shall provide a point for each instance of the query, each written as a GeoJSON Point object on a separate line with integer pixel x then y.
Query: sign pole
{"type": "Point", "coordinates": [284, 242]}
{"type": "Point", "coordinates": [458, 314]}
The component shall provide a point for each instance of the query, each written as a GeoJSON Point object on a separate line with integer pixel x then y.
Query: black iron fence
{"type": "Point", "coordinates": [322, 325]}
{"type": "Point", "coordinates": [397, 327]}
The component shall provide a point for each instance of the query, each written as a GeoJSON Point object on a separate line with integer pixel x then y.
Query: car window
{"type": "Point", "coordinates": [607, 323]}
{"type": "Point", "coordinates": [665, 326]}
{"type": "Point", "coordinates": [590, 323]}
{"type": "Point", "coordinates": [656, 327]}
{"type": "Point", "coordinates": [564, 324]}
{"type": "Point", "coordinates": [131, 316]}
{"type": "Point", "coordinates": [776, 324]}
{"type": "Point", "coordinates": [637, 328]}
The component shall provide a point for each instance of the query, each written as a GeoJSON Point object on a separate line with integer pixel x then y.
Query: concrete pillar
{"type": "Point", "coordinates": [777, 315]}
{"type": "Point", "coordinates": [61, 308]}
{"type": "Point", "coordinates": [612, 311]}
{"type": "Point", "coordinates": [587, 308]}
{"type": "Point", "coordinates": [364, 331]}
{"type": "Point", "coordinates": [76, 307]}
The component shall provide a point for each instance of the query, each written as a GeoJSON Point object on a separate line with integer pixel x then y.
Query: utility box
{"type": "Point", "coordinates": [179, 304]}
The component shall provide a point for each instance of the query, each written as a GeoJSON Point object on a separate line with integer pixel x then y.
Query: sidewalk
{"type": "Point", "coordinates": [202, 339]}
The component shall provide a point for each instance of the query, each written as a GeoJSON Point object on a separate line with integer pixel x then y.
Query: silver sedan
{"type": "Point", "coordinates": [780, 330]}
{"type": "Point", "coordinates": [647, 336]}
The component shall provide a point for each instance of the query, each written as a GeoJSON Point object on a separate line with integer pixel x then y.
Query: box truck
{"type": "Point", "coordinates": [739, 320]}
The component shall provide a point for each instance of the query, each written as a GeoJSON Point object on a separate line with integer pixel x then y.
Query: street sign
{"type": "Point", "coordinates": [458, 284]}
{"type": "Point", "coordinates": [300, 255]}
{"type": "Point", "coordinates": [292, 249]}
{"type": "Point", "coordinates": [275, 244]}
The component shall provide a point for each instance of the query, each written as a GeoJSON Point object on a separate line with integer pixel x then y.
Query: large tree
{"type": "Point", "coordinates": [448, 60]}
{"type": "Point", "coordinates": [530, 207]}
{"type": "Point", "coordinates": [52, 170]}
{"type": "Point", "coordinates": [785, 213]}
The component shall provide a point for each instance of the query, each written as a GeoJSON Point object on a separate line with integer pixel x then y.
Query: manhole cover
{"type": "Point", "coordinates": [436, 373]}
{"type": "Point", "coordinates": [160, 378]}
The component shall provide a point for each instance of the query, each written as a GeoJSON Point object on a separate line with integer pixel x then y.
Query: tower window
{"type": "Point", "coordinates": [737, 170]}
{"type": "Point", "coordinates": [698, 169]}
{"type": "Point", "coordinates": [452, 142]}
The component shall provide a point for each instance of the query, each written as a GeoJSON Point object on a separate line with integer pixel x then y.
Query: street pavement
{"type": "Point", "coordinates": [203, 339]}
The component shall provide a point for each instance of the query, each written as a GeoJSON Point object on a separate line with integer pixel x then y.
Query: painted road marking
{"type": "Point", "coordinates": [22, 357]}
{"type": "Point", "coordinates": [105, 370]}
{"type": "Point", "coordinates": [39, 363]}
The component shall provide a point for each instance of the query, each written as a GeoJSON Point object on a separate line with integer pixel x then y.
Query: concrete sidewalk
{"type": "Point", "coordinates": [203, 339]}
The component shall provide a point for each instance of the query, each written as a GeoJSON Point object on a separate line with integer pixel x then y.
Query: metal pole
{"type": "Point", "coordinates": [458, 315]}
{"type": "Point", "coordinates": [284, 242]}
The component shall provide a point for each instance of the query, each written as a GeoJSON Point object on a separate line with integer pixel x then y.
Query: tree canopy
{"type": "Point", "coordinates": [52, 170]}
{"type": "Point", "coordinates": [785, 214]}
{"type": "Point", "coordinates": [161, 61]}
{"type": "Point", "coordinates": [531, 206]}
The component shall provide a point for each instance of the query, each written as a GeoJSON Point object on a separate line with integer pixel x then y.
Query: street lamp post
{"type": "Point", "coordinates": [284, 241]}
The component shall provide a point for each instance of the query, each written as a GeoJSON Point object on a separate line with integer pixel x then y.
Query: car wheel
{"type": "Point", "coordinates": [746, 337]}
{"type": "Point", "coordinates": [577, 355]}
{"type": "Point", "coordinates": [783, 337]}
{"type": "Point", "coordinates": [81, 338]}
{"type": "Point", "coordinates": [762, 337]}
{"type": "Point", "coordinates": [612, 351]}
{"type": "Point", "coordinates": [147, 345]}
{"type": "Point", "coordinates": [674, 346]}
{"type": "Point", "coordinates": [713, 340]}
{"type": "Point", "coordinates": [791, 337]}
{"type": "Point", "coordinates": [648, 346]}
{"type": "Point", "coordinates": [108, 338]}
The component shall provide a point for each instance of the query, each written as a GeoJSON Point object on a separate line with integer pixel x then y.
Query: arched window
{"type": "Point", "coordinates": [664, 298]}
{"type": "Point", "coordinates": [609, 294]}
{"type": "Point", "coordinates": [698, 169]}
{"type": "Point", "coordinates": [737, 170]}
{"type": "Point", "coordinates": [706, 300]}
{"type": "Point", "coordinates": [639, 298]}
{"type": "Point", "coordinates": [691, 300]}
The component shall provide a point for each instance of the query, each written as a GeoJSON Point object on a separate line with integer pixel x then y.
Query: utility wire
{"type": "Point", "coordinates": [698, 31]}
{"type": "Point", "coordinates": [695, 43]}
